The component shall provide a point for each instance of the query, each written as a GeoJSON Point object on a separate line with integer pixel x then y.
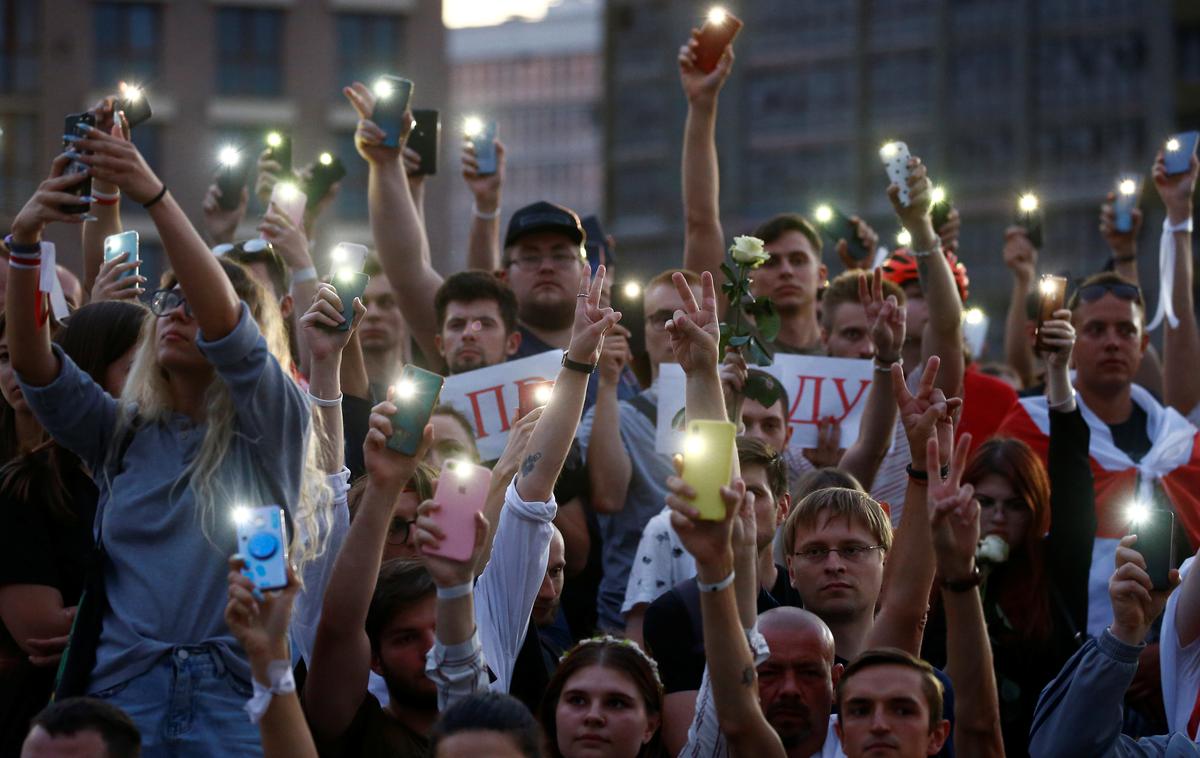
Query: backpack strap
{"type": "Point", "coordinates": [643, 406]}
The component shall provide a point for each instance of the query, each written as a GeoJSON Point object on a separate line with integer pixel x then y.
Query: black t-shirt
{"type": "Point", "coordinates": [675, 636]}
{"type": "Point", "coordinates": [375, 734]}
{"type": "Point", "coordinates": [1131, 436]}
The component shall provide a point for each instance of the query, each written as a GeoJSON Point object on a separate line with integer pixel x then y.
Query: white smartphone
{"type": "Point", "coordinates": [895, 157]}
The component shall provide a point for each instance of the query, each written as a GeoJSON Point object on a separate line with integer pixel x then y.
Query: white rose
{"type": "Point", "coordinates": [749, 250]}
{"type": "Point", "coordinates": [993, 549]}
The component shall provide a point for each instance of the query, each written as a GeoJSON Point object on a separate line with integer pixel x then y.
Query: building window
{"type": "Point", "coordinates": [19, 41]}
{"type": "Point", "coordinates": [19, 171]}
{"type": "Point", "coordinates": [351, 201]}
{"type": "Point", "coordinates": [125, 45]}
{"type": "Point", "coordinates": [249, 51]}
{"type": "Point", "coordinates": [368, 45]}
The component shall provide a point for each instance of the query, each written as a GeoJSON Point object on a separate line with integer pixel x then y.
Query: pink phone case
{"type": "Point", "coordinates": [293, 205]}
{"type": "Point", "coordinates": [461, 491]}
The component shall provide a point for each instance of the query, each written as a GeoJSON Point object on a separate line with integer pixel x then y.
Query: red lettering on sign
{"type": "Point", "coordinates": [816, 401]}
{"type": "Point", "coordinates": [480, 430]}
{"type": "Point", "coordinates": [846, 404]}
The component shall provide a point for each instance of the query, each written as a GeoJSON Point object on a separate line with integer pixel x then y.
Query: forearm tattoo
{"type": "Point", "coordinates": [530, 462]}
{"type": "Point", "coordinates": [748, 676]}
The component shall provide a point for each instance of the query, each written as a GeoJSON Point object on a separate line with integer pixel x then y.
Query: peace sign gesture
{"type": "Point", "coordinates": [926, 413]}
{"type": "Point", "coordinates": [953, 513]}
{"type": "Point", "coordinates": [693, 330]}
{"type": "Point", "coordinates": [591, 321]}
{"type": "Point", "coordinates": [885, 315]}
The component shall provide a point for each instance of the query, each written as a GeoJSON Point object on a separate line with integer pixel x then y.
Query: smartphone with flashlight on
{"type": "Point", "coordinates": [348, 278]}
{"type": "Point", "coordinates": [708, 464]}
{"type": "Point", "coordinates": [939, 213]}
{"type": "Point", "coordinates": [482, 136]}
{"type": "Point", "coordinates": [1155, 530]}
{"type": "Point", "coordinates": [425, 138]}
{"type": "Point", "coordinates": [895, 157]}
{"type": "Point", "coordinates": [134, 104]}
{"type": "Point", "coordinates": [262, 543]}
{"type": "Point", "coordinates": [1052, 292]}
{"type": "Point", "coordinates": [1128, 192]}
{"type": "Point", "coordinates": [1178, 152]}
{"type": "Point", "coordinates": [326, 171]}
{"type": "Point", "coordinates": [461, 492]}
{"type": "Point", "coordinates": [720, 28]}
{"type": "Point", "coordinates": [291, 201]}
{"type": "Point", "coordinates": [392, 97]}
{"type": "Point", "coordinates": [838, 226]}
{"type": "Point", "coordinates": [72, 133]}
{"type": "Point", "coordinates": [1029, 215]}
{"type": "Point", "coordinates": [127, 243]}
{"type": "Point", "coordinates": [232, 173]}
{"type": "Point", "coordinates": [532, 395]}
{"type": "Point", "coordinates": [415, 396]}
{"type": "Point", "coordinates": [279, 149]}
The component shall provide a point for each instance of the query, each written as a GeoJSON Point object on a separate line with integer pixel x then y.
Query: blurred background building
{"type": "Point", "coordinates": [215, 72]}
{"type": "Point", "coordinates": [997, 96]}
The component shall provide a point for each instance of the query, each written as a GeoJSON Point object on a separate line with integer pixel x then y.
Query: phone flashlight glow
{"type": "Point", "coordinates": [903, 238]}
{"type": "Point", "coordinates": [472, 126]}
{"type": "Point", "coordinates": [632, 290]}
{"type": "Point", "coordinates": [1137, 512]}
{"type": "Point", "coordinates": [1127, 187]}
{"type": "Point", "coordinates": [1028, 203]}
{"type": "Point", "coordinates": [693, 445]}
{"type": "Point", "coordinates": [823, 214]}
{"type": "Point", "coordinates": [325, 159]}
{"type": "Point", "coordinates": [717, 15]}
{"type": "Point", "coordinates": [1172, 145]}
{"type": "Point", "coordinates": [383, 89]}
{"type": "Point", "coordinates": [1048, 286]}
{"type": "Point", "coordinates": [889, 150]}
{"type": "Point", "coordinates": [241, 515]}
{"type": "Point", "coordinates": [406, 390]}
{"type": "Point", "coordinates": [132, 92]}
{"type": "Point", "coordinates": [937, 195]}
{"type": "Point", "coordinates": [542, 394]}
{"type": "Point", "coordinates": [229, 156]}
{"type": "Point", "coordinates": [288, 191]}
{"type": "Point", "coordinates": [974, 316]}
{"type": "Point", "coordinates": [274, 139]}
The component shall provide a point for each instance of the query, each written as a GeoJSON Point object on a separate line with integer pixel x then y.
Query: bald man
{"type": "Point", "coordinates": [548, 637]}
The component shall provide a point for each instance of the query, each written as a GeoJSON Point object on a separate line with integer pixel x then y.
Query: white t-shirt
{"type": "Point", "coordinates": [1180, 668]}
{"type": "Point", "coordinates": [661, 562]}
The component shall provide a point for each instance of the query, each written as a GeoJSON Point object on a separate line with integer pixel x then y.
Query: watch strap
{"type": "Point", "coordinates": [583, 368]}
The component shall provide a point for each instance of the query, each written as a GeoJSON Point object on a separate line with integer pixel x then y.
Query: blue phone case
{"type": "Point", "coordinates": [389, 113]}
{"type": "Point", "coordinates": [125, 242]}
{"type": "Point", "coordinates": [1123, 210]}
{"type": "Point", "coordinates": [262, 542]}
{"type": "Point", "coordinates": [349, 285]}
{"type": "Point", "coordinates": [413, 411]}
{"type": "Point", "coordinates": [1178, 161]}
{"type": "Point", "coordinates": [485, 149]}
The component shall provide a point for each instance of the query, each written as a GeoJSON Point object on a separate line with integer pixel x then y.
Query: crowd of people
{"type": "Point", "coordinates": [963, 578]}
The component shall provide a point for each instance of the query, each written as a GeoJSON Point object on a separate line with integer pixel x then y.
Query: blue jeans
{"type": "Point", "coordinates": [188, 704]}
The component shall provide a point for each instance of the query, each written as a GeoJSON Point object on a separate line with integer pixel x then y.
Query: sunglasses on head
{"type": "Point", "coordinates": [251, 247]}
{"type": "Point", "coordinates": [1093, 292]}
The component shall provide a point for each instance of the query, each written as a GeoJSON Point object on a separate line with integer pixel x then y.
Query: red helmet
{"type": "Point", "coordinates": [901, 268]}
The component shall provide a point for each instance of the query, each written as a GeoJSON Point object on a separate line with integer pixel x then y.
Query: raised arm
{"type": "Point", "coordinates": [395, 224]}
{"type": "Point", "coordinates": [1021, 258]}
{"type": "Point", "coordinates": [694, 333]}
{"type": "Point", "coordinates": [325, 344]}
{"type": "Point", "coordinates": [1181, 345]}
{"type": "Point", "coordinates": [943, 330]}
{"type": "Point", "coordinates": [551, 439]}
{"type": "Point", "coordinates": [908, 573]}
{"type": "Point", "coordinates": [260, 624]}
{"type": "Point", "coordinates": [954, 519]}
{"type": "Point", "coordinates": [863, 458]}
{"type": "Point", "coordinates": [338, 671]}
{"type": "Point", "coordinates": [208, 290]}
{"type": "Point", "coordinates": [106, 207]}
{"type": "Point", "coordinates": [704, 240]}
{"type": "Point", "coordinates": [609, 468]}
{"type": "Point", "coordinates": [483, 241]}
{"type": "Point", "coordinates": [291, 243]}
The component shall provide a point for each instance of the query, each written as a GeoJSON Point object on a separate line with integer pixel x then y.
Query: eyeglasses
{"type": "Point", "coordinates": [532, 262]}
{"type": "Point", "coordinates": [399, 531]}
{"type": "Point", "coordinates": [1011, 506]}
{"type": "Point", "coordinates": [1094, 292]}
{"type": "Point", "coordinates": [162, 302]}
{"type": "Point", "coordinates": [850, 553]}
{"type": "Point", "coordinates": [246, 246]}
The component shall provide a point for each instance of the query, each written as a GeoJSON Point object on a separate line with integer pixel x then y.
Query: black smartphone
{"type": "Point", "coordinates": [327, 170]}
{"type": "Point", "coordinates": [72, 134]}
{"type": "Point", "coordinates": [1155, 530]}
{"type": "Point", "coordinates": [349, 285]}
{"type": "Point", "coordinates": [279, 149]}
{"type": "Point", "coordinates": [232, 173]}
{"type": "Point", "coordinates": [392, 97]}
{"type": "Point", "coordinates": [844, 228]}
{"type": "Point", "coordinates": [1029, 215]}
{"type": "Point", "coordinates": [134, 103]}
{"type": "Point", "coordinates": [415, 397]}
{"type": "Point", "coordinates": [940, 214]}
{"type": "Point", "coordinates": [426, 139]}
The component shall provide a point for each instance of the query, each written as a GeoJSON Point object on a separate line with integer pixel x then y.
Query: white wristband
{"type": "Point", "coordinates": [1182, 226]}
{"type": "Point", "coordinates": [98, 195]}
{"type": "Point", "coordinates": [718, 586]}
{"type": "Point", "coordinates": [322, 402]}
{"type": "Point", "coordinates": [281, 683]}
{"type": "Point", "coordinates": [886, 368]}
{"type": "Point", "coordinates": [485, 216]}
{"type": "Point", "coordinates": [304, 275]}
{"type": "Point", "coordinates": [458, 590]}
{"type": "Point", "coordinates": [937, 248]}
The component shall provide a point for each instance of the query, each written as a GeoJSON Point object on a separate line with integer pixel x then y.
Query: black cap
{"type": "Point", "coordinates": [596, 244]}
{"type": "Point", "coordinates": [544, 217]}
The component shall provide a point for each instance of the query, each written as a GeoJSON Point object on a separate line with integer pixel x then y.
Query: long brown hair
{"type": "Point", "coordinates": [1023, 590]}
{"type": "Point", "coordinates": [610, 653]}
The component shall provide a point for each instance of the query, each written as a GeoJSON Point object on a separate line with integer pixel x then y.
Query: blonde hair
{"type": "Point", "coordinates": [146, 400]}
{"type": "Point", "coordinates": [854, 506]}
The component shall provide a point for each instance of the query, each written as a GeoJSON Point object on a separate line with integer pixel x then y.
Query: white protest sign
{"type": "Point", "coordinates": [489, 397]}
{"type": "Point", "coordinates": [817, 387]}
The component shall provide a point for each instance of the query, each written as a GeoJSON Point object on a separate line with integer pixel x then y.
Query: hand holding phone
{"type": "Point", "coordinates": [719, 30]}
{"type": "Point", "coordinates": [326, 171]}
{"type": "Point", "coordinates": [1029, 215]}
{"type": "Point", "coordinates": [291, 202]}
{"type": "Point", "coordinates": [1127, 194]}
{"type": "Point", "coordinates": [393, 95]}
{"type": "Point", "coordinates": [415, 396]}
{"type": "Point", "coordinates": [895, 157]}
{"type": "Point", "coordinates": [1052, 292]}
{"type": "Point", "coordinates": [708, 464]}
{"type": "Point", "coordinates": [461, 492]}
{"type": "Point", "coordinates": [134, 103]}
{"type": "Point", "coordinates": [125, 243]}
{"type": "Point", "coordinates": [262, 542]}
{"type": "Point", "coordinates": [279, 149]}
{"type": "Point", "coordinates": [1178, 152]}
{"type": "Point", "coordinates": [426, 139]}
{"type": "Point", "coordinates": [1155, 530]}
{"type": "Point", "coordinates": [232, 173]}
{"type": "Point", "coordinates": [482, 136]}
{"type": "Point", "coordinates": [532, 395]}
{"type": "Point", "coordinates": [74, 127]}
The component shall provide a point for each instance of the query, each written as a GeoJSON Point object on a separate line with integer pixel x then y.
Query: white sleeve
{"type": "Point", "coordinates": [651, 565]}
{"type": "Point", "coordinates": [509, 584]}
{"type": "Point", "coordinates": [307, 610]}
{"type": "Point", "coordinates": [458, 671]}
{"type": "Point", "coordinates": [1180, 667]}
{"type": "Point", "coordinates": [705, 739]}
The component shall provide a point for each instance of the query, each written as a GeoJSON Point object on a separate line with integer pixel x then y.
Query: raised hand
{"type": "Point", "coordinates": [447, 572]}
{"type": "Point", "coordinates": [886, 316]}
{"type": "Point", "coordinates": [915, 215]}
{"type": "Point", "coordinates": [116, 160]}
{"type": "Point", "coordinates": [44, 206]}
{"type": "Point", "coordinates": [1176, 191]}
{"type": "Point", "coordinates": [953, 512]}
{"type": "Point", "coordinates": [1059, 336]}
{"type": "Point", "coordinates": [260, 620]}
{"type": "Point", "coordinates": [368, 137]}
{"type": "Point", "coordinates": [828, 452]}
{"type": "Point", "coordinates": [1020, 255]}
{"type": "Point", "coordinates": [221, 224]}
{"type": "Point", "coordinates": [110, 285]}
{"type": "Point", "coordinates": [321, 320]}
{"type": "Point", "coordinates": [267, 174]}
{"type": "Point", "coordinates": [869, 239]}
{"type": "Point", "coordinates": [699, 87]}
{"type": "Point", "coordinates": [1122, 244]}
{"type": "Point", "coordinates": [950, 230]}
{"type": "Point", "coordinates": [591, 321]}
{"type": "Point", "coordinates": [1135, 602]}
{"type": "Point", "coordinates": [709, 542]}
{"type": "Point", "coordinates": [926, 413]}
{"type": "Point", "coordinates": [693, 330]}
{"type": "Point", "coordinates": [615, 355]}
{"type": "Point", "coordinates": [390, 471]}
{"type": "Point", "coordinates": [287, 238]}
{"type": "Point", "coordinates": [733, 372]}
{"type": "Point", "coordinates": [485, 189]}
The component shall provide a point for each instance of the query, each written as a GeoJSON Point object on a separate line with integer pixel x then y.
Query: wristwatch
{"type": "Point", "coordinates": [963, 585]}
{"type": "Point", "coordinates": [583, 368]}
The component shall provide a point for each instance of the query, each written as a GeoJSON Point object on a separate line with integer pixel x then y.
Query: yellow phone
{"type": "Point", "coordinates": [708, 464]}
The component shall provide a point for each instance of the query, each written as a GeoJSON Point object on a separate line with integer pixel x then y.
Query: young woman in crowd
{"type": "Point", "coordinates": [209, 418]}
{"type": "Point", "coordinates": [486, 723]}
{"type": "Point", "coordinates": [20, 431]}
{"type": "Point", "coordinates": [1035, 587]}
{"type": "Point", "coordinates": [47, 505]}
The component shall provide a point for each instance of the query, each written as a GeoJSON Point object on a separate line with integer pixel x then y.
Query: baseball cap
{"type": "Point", "coordinates": [544, 217]}
{"type": "Point", "coordinates": [596, 244]}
